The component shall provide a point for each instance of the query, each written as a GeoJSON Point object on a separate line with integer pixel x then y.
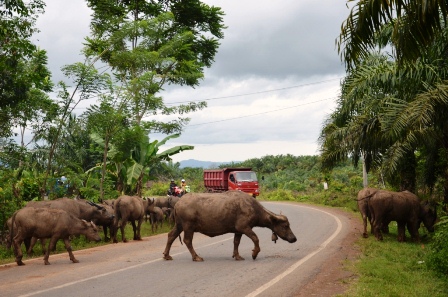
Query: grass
{"type": "Point", "coordinates": [80, 243]}
{"type": "Point", "coordinates": [390, 268]}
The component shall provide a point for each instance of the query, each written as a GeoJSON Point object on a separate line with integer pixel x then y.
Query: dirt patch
{"type": "Point", "coordinates": [333, 278]}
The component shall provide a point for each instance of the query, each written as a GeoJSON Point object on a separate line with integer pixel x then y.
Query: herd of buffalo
{"type": "Point", "coordinates": [211, 214]}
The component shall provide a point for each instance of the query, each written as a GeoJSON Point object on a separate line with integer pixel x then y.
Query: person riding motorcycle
{"type": "Point", "coordinates": [173, 185]}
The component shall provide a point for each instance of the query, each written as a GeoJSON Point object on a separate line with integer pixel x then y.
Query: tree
{"type": "Point", "coordinates": [414, 24]}
{"type": "Point", "coordinates": [88, 83]}
{"type": "Point", "coordinates": [105, 121]}
{"type": "Point", "coordinates": [151, 44]}
{"type": "Point", "coordinates": [22, 65]}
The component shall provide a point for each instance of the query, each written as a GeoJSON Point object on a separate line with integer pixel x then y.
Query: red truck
{"type": "Point", "coordinates": [240, 179]}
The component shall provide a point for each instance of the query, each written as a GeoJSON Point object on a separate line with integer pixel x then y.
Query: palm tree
{"type": "Point", "coordinates": [414, 26]}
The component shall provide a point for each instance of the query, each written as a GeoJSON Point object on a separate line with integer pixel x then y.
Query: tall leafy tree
{"type": "Point", "coordinates": [22, 65]}
{"type": "Point", "coordinates": [105, 121]}
{"type": "Point", "coordinates": [150, 44]}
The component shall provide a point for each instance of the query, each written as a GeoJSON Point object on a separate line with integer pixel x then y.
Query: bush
{"type": "Point", "coordinates": [437, 258]}
{"type": "Point", "coordinates": [279, 195]}
{"type": "Point", "coordinates": [157, 189]}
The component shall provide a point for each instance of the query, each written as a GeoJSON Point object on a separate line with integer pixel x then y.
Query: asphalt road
{"type": "Point", "coordinates": [136, 268]}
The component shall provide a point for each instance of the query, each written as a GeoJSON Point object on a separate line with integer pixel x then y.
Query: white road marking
{"type": "Point", "coordinates": [301, 261]}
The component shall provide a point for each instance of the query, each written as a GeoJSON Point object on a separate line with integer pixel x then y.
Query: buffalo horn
{"type": "Point", "coordinates": [94, 204]}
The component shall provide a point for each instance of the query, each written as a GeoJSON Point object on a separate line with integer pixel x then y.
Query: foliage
{"type": "Point", "coordinates": [437, 258]}
{"type": "Point", "coordinates": [391, 268]}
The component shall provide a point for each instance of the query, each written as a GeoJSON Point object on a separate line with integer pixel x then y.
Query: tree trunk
{"type": "Point", "coordinates": [408, 172]}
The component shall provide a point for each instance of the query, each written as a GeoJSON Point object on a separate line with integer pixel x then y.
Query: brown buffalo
{"type": "Point", "coordinates": [157, 216]}
{"type": "Point", "coordinates": [403, 207]}
{"type": "Point", "coordinates": [221, 213]}
{"type": "Point", "coordinates": [80, 208]}
{"type": "Point", "coordinates": [49, 223]}
{"type": "Point", "coordinates": [106, 224]}
{"type": "Point", "coordinates": [130, 209]}
{"type": "Point", "coordinates": [363, 206]}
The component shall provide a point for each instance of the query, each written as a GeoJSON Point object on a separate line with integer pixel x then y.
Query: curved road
{"type": "Point", "coordinates": [136, 268]}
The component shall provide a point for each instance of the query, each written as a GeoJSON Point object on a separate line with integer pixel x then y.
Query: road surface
{"type": "Point", "coordinates": [136, 268]}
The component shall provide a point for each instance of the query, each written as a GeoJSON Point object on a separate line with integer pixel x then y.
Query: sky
{"type": "Point", "coordinates": [275, 79]}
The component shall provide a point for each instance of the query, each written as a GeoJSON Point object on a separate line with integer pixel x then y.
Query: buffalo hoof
{"type": "Point", "coordinates": [75, 261]}
{"type": "Point", "coordinates": [167, 257]}
{"type": "Point", "coordinates": [365, 235]}
{"type": "Point", "coordinates": [198, 259]}
{"type": "Point", "coordinates": [46, 263]}
{"type": "Point", "coordinates": [238, 257]}
{"type": "Point", "coordinates": [20, 263]}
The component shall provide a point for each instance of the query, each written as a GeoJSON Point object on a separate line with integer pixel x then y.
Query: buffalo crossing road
{"type": "Point", "coordinates": [136, 268]}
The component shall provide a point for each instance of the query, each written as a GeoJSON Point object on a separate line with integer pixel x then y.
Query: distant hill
{"type": "Point", "coordinates": [203, 164]}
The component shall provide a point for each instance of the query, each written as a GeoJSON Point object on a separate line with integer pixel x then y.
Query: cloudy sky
{"type": "Point", "coordinates": [274, 81]}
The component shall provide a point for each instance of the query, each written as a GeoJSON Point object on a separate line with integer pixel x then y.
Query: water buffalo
{"type": "Point", "coordinates": [130, 208]}
{"type": "Point", "coordinates": [221, 213]}
{"type": "Point", "coordinates": [403, 207]}
{"type": "Point", "coordinates": [363, 206]}
{"type": "Point", "coordinates": [80, 208]}
{"type": "Point", "coordinates": [49, 223]}
{"type": "Point", "coordinates": [157, 216]}
{"type": "Point", "coordinates": [106, 224]}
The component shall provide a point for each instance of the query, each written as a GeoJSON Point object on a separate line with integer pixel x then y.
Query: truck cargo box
{"type": "Point", "coordinates": [242, 179]}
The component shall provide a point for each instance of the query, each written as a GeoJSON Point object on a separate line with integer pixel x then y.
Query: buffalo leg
{"type": "Point", "coordinates": [236, 243]}
{"type": "Point", "coordinates": [401, 232]}
{"type": "Point", "coordinates": [251, 234]}
{"type": "Point", "coordinates": [188, 239]}
{"type": "Point", "coordinates": [17, 242]}
{"type": "Point", "coordinates": [172, 235]}
{"type": "Point", "coordinates": [139, 227]}
{"type": "Point", "coordinates": [413, 230]}
{"type": "Point", "coordinates": [69, 249]}
{"type": "Point", "coordinates": [122, 226]}
{"type": "Point", "coordinates": [364, 222]}
{"type": "Point", "coordinates": [51, 246]}
{"type": "Point", "coordinates": [105, 233]}
{"type": "Point", "coordinates": [376, 226]}
{"type": "Point", "coordinates": [29, 245]}
{"type": "Point", "coordinates": [134, 229]}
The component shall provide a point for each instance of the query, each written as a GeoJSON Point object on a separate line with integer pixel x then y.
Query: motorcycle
{"type": "Point", "coordinates": [175, 191]}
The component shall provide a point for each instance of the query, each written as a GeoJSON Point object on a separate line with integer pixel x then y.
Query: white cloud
{"type": "Point", "coordinates": [275, 55]}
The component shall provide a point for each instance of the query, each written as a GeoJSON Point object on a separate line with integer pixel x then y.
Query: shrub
{"type": "Point", "coordinates": [437, 258]}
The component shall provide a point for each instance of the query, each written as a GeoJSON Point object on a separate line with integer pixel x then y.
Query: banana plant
{"type": "Point", "coordinates": [146, 154]}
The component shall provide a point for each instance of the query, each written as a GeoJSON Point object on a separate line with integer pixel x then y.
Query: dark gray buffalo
{"type": "Point", "coordinates": [130, 209]}
{"type": "Point", "coordinates": [229, 212]}
{"type": "Point", "coordinates": [49, 223]}
{"type": "Point", "coordinates": [403, 207]}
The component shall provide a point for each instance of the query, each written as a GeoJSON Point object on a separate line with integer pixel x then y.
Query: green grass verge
{"type": "Point", "coordinates": [389, 268]}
